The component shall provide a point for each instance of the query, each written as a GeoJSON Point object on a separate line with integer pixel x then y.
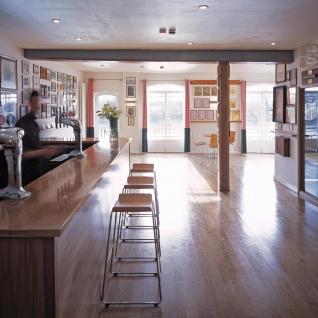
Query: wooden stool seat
{"type": "Point", "coordinates": [143, 167]}
{"type": "Point", "coordinates": [137, 202]}
{"type": "Point", "coordinates": [139, 183]}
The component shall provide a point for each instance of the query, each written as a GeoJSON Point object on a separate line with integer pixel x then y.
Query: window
{"type": "Point", "coordinates": [102, 125]}
{"type": "Point", "coordinates": [259, 116]}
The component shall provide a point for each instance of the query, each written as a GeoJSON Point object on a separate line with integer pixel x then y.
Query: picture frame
{"type": "Point", "coordinates": [279, 103]}
{"type": "Point", "coordinates": [201, 103]}
{"type": "Point", "coordinates": [197, 91]}
{"type": "Point", "coordinates": [24, 109]}
{"type": "Point", "coordinates": [292, 96]}
{"type": "Point", "coordinates": [25, 80]}
{"type": "Point", "coordinates": [53, 86]}
{"type": "Point", "coordinates": [280, 73]}
{"type": "Point", "coordinates": [131, 91]}
{"type": "Point", "coordinates": [25, 95]}
{"type": "Point", "coordinates": [293, 77]}
{"type": "Point", "coordinates": [59, 76]}
{"type": "Point", "coordinates": [43, 73]}
{"type": "Point", "coordinates": [36, 70]}
{"type": "Point", "coordinates": [36, 83]}
{"type": "Point", "coordinates": [193, 115]}
{"type": "Point", "coordinates": [48, 74]}
{"type": "Point", "coordinates": [130, 80]}
{"type": "Point", "coordinates": [291, 115]}
{"type": "Point", "coordinates": [131, 111]}
{"type": "Point", "coordinates": [235, 115]}
{"type": "Point", "coordinates": [53, 75]}
{"type": "Point", "coordinates": [25, 67]}
{"type": "Point", "coordinates": [53, 99]}
{"type": "Point", "coordinates": [8, 73]}
{"type": "Point", "coordinates": [131, 121]}
{"type": "Point", "coordinates": [8, 107]}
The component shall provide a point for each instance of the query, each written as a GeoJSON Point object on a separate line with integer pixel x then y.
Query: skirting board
{"type": "Point", "coordinates": [286, 184]}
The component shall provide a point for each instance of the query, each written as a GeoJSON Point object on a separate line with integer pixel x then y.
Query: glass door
{"type": "Point", "coordinates": [311, 141]}
{"type": "Point", "coordinates": [259, 118]}
{"type": "Point", "coordinates": [102, 125]}
{"type": "Point", "coordinates": [166, 117]}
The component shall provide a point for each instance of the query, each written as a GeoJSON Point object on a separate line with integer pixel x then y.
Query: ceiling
{"type": "Point", "coordinates": [227, 24]}
{"type": "Point", "coordinates": [169, 67]}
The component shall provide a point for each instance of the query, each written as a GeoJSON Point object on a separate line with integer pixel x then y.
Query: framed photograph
{"type": "Point", "coordinates": [197, 91]}
{"type": "Point", "coordinates": [293, 77]}
{"type": "Point", "coordinates": [280, 72]}
{"type": "Point", "coordinates": [291, 96]}
{"type": "Point", "coordinates": [209, 115]}
{"type": "Point", "coordinates": [193, 115]}
{"type": "Point", "coordinates": [201, 103]}
{"type": "Point", "coordinates": [131, 111]}
{"type": "Point", "coordinates": [291, 115]}
{"type": "Point", "coordinates": [59, 76]}
{"type": "Point", "coordinates": [48, 74]}
{"type": "Point", "coordinates": [25, 95]}
{"type": "Point", "coordinates": [36, 83]}
{"type": "Point", "coordinates": [206, 91]}
{"type": "Point", "coordinates": [214, 90]}
{"type": "Point", "coordinates": [43, 72]}
{"type": "Point", "coordinates": [53, 98]}
{"type": "Point", "coordinates": [279, 104]}
{"type": "Point", "coordinates": [235, 115]}
{"type": "Point", "coordinates": [201, 115]}
{"type": "Point", "coordinates": [48, 111]}
{"type": "Point", "coordinates": [36, 70]}
{"type": "Point", "coordinates": [25, 67]}
{"type": "Point", "coordinates": [131, 121]}
{"type": "Point", "coordinates": [23, 110]}
{"type": "Point", "coordinates": [53, 75]}
{"type": "Point", "coordinates": [232, 103]}
{"type": "Point", "coordinates": [8, 106]}
{"type": "Point", "coordinates": [130, 80]}
{"type": "Point", "coordinates": [25, 81]}
{"type": "Point", "coordinates": [53, 86]}
{"type": "Point", "coordinates": [8, 73]}
{"type": "Point", "coordinates": [131, 91]}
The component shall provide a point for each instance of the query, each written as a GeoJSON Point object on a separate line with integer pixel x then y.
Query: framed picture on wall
{"type": "Point", "coordinates": [291, 96]}
{"type": "Point", "coordinates": [280, 72]}
{"type": "Point", "coordinates": [131, 91]}
{"type": "Point", "coordinates": [36, 70]}
{"type": "Point", "coordinates": [8, 73]}
{"type": "Point", "coordinates": [131, 111]}
{"type": "Point", "coordinates": [53, 75]}
{"type": "Point", "coordinates": [279, 104]}
{"type": "Point", "coordinates": [193, 115]}
{"type": "Point", "coordinates": [23, 110]}
{"type": "Point", "coordinates": [291, 115]}
{"type": "Point", "coordinates": [293, 77]}
{"type": "Point", "coordinates": [131, 121]}
{"type": "Point", "coordinates": [36, 83]}
{"type": "Point", "coordinates": [25, 67]}
{"type": "Point", "coordinates": [130, 80]}
{"type": "Point", "coordinates": [25, 81]}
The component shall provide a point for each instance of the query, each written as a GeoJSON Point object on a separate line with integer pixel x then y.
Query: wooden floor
{"type": "Point", "coordinates": [250, 253]}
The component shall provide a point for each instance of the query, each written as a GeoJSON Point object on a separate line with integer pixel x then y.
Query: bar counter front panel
{"type": "Point", "coordinates": [52, 245]}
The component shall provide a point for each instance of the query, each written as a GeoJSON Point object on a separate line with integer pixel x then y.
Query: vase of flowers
{"type": "Point", "coordinates": [111, 113]}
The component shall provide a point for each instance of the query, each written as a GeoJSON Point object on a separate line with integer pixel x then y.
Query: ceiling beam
{"type": "Point", "coordinates": [284, 56]}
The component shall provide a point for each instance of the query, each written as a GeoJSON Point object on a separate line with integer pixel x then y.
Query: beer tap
{"type": "Point", "coordinates": [11, 142]}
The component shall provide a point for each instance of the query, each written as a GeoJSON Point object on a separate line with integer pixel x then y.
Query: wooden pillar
{"type": "Point", "coordinates": [224, 125]}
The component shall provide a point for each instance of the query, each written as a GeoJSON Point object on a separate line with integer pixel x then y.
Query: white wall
{"type": "Point", "coordinates": [109, 81]}
{"type": "Point", "coordinates": [8, 49]}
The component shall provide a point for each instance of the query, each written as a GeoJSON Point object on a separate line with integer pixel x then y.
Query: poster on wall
{"type": "Point", "coordinates": [8, 73]}
{"type": "Point", "coordinates": [279, 105]}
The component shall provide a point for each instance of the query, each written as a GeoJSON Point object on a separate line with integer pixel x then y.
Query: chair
{"type": "Point", "coordinates": [213, 143]}
{"type": "Point", "coordinates": [198, 144]}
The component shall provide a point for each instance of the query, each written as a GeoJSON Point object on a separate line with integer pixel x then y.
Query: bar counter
{"type": "Point", "coordinates": [52, 244]}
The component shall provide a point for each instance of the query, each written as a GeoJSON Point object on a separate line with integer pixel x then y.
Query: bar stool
{"type": "Point", "coordinates": [135, 203]}
{"type": "Point", "coordinates": [140, 183]}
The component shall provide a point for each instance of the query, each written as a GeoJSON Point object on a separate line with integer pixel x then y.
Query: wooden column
{"type": "Point", "coordinates": [224, 125]}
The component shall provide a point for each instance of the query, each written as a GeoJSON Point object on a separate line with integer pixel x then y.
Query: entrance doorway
{"type": "Point", "coordinates": [102, 125]}
{"type": "Point", "coordinates": [166, 108]}
{"type": "Point", "coordinates": [259, 118]}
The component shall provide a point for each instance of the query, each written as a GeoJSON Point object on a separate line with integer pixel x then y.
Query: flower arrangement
{"type": "Point", "coordinates": [109, 112]}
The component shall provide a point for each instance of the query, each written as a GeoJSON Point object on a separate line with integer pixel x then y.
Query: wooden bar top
{"type": "Point", "coordinates": [58, 194]}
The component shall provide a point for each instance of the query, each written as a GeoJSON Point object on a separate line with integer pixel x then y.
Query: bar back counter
{"type": "Point", "coordinates": [52, 245]}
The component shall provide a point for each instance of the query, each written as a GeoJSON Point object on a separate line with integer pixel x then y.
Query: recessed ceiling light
{"type": "Point", "coordinates": [79, 39]}
{"type": "Point", "coordinates": [203, 7]}
{"type": "Point", "coordinates": [190, 43]}
{"type": "Point", "coordinates": [162, 67]}
{"type": "Point", "coordinates": [56, 20]}
{"type": "Point", "coordinates": [142, 66]}
{"type": "Point", "coordinates": [273, 43]}
{"type": "Point", "coordinates": [102, 65]}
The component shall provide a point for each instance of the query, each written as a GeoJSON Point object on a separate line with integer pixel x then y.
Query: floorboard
{"type": "Point", "coordinates": [250, 253]}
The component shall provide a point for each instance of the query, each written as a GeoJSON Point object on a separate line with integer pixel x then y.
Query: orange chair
{"type": "Point", "coordinates": [213, 143]}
